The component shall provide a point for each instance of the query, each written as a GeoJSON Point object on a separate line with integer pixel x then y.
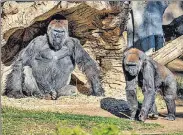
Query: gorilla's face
{"type": "Point", "coordinates": [132, 62]}
{"type": "Point", "coordinates": [57, 33]}
{"type": "Point", "coordinates": [132, 69]}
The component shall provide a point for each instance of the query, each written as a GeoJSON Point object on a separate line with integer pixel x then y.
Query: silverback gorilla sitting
{"type": "Point", "coordinates": [152, 78]}
{"type": "Point", "coordinates": [43, 69]}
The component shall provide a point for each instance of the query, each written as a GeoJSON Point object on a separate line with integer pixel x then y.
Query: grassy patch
{"type": "Point", "coordinates": [174, 134]}
{"type": "Point", "coordinates": [20, 122]}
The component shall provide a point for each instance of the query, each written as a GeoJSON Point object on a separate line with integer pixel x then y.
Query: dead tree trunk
{"type": "Point", "coordinates": [169, 52]}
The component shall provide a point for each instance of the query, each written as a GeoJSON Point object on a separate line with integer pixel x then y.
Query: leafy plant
{"type": "Point", "coordinates": [106, 129]}
{"type": "Point", "coordinates": [69, 131]}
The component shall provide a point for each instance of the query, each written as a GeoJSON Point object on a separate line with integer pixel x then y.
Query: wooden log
{"type": "Point", "coordinates": [176, 65]}
{"type": "Point", "coordinates": [169, 52]}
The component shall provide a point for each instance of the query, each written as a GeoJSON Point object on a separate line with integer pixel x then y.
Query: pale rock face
{"type": "Point", "coordinates": [64, 4]}
{"type": "Point", "coordinates": [108, 56]}
{"type": "Point", "coordinates": [98, 4]}
{"type": "Point", "coordinates": [67, 5]}
{"type": "Point", "coordinates": [174, 10]}
{"type": "Point", "coordinates": [28, 11]}
{"type": "Point", "coordinates": [10, 8]}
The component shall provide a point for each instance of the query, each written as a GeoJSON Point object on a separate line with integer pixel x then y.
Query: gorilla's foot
{"type": "Point", "coordinates": [99, 93]}
{"type": "Point", "coordinates": [141, 118]}
{"type": "Point", "coordinates": [14, 94]}
{"type": "Point", "coordinates": [72, 90]}
{"type": "Point", "coordinates": [170, 117]}
{"type": "Point", "coordinates": [143, 115]}
{"type": "Point", "coordinates": [51, 96]}
{"type": "Point", "coordinates": [47, 97]}
{"type": "Point", "coordinates": [18, 96]}
{"type": "Point", "coordinates": [153, 116]}
{"type": "Point", "coordinates": [68, 90]}
{"type": "Point", "coordinates": [132, 118]}
{"type": "Point", "coordinates": [38, 94]}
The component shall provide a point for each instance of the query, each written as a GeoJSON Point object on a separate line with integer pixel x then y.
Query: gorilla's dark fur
{"type": "Point", "coordinates": [43, 69]}
{"type": "Point", "coordinates": [152, 78]}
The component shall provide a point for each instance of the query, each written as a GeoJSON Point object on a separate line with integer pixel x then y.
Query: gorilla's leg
{"type": "Point", "coordinates": [67, 90]}
{"type": "Point", "coordinates": [170, 103]}
{"type": "Point", "coordinates": [30, 87]}
{"type": "Point", "coordinates": [169, 95]}
{"type": "Point", "coordinates": [153, 113]}
{"type": "Point", "coordinates": [132, 96]}
{"type": "Point", "coordinates": [13, 88]}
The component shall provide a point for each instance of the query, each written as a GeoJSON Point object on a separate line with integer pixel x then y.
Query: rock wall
{"type": "Point", "coordinates": [95, 23]}
{"type": "Point", "coordinates": [104, 43]}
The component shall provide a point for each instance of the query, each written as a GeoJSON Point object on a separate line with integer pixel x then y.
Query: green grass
{"type": "Point", "coordinates": [174, 134]}
{"type": "Point", "coordinates": [20, 122]}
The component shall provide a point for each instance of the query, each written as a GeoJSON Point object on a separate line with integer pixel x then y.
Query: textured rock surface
{"type": "Point", "coordinates": [95, 23]}
{"type": "Point", "coordinates": [10, 7]}
{"type": "Point", "coordinates": [103, 43]}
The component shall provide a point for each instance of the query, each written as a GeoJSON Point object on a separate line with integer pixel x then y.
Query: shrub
{"type": "Point", "coordinates": [105, 129]}
{"type": "Point", "coordinates": [69, 131]}
{"type": "Point", "coordinates": [102, 129]}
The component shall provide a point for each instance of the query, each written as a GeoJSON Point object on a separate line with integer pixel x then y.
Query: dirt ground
{"type": "Point", "coordinates": [169, 126]}
{"type": "Point", "coordinates": [92, 106]}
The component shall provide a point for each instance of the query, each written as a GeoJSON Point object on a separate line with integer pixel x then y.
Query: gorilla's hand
{"type": "Point", "coordinates": [53, 95]}
{"type": "Point", "coordinates": [142, 115]}
{"type": "Point", "coordinates": [98, 92]}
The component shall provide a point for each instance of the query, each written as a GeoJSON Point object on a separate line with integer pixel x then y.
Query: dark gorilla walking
{"type": "Point", "coordinates": [43, 69]}
{"type": "Point", "coordinates": [152, 78]}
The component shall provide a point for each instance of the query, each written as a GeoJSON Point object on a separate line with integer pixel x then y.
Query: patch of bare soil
{"type": "Point", "coordinates": [169, 126]}
{"type": "Point", "coordinates": [89, 105]}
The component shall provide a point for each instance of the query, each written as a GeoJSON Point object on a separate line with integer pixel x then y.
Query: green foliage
{"type": "Point", "coordinates": [180, 86]}
{"type": "Point", "coordinates": [106, 129]}
{"type": "Point", "coordinates": [174, 134]}
{"type": "Point", "coordinates": [69, 131]}
{"type": "Point", "coordinates": [102, 129]}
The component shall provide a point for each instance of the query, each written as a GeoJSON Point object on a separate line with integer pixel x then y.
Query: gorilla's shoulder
{"type": "Point", "coordinates": [38, 42]}
{"type": "Point", "coordinates": [40, 39]}
{"type": "Point", "coordinates": [74, 40]}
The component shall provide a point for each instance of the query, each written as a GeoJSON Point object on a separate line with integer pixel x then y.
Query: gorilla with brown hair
{"type": "Point", "coordinates": [152, 78]}
{"type": "Point", "coordinates": [43, 69]}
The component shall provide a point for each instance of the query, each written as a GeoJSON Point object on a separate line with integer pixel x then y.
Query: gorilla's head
{"type": "Point", "coordinates": [57, 33]}
{"type": "Point", "coordinates": [132, 62]}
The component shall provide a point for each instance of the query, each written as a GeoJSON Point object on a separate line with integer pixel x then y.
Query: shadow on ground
{"type": "Point", "coordinates": [117, 107]}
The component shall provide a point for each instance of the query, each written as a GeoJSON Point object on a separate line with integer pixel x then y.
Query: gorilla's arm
{"type": "Point", "coordinates": [148, 89]}
{"type": "Point", "coordinates": [13, 86]}
{"type": "Point", "coordinates": [89, 67]}
{"type": "Point", "coordinates": [14, 81]}
{"type": "Point", "coordinates": [131, 93]}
